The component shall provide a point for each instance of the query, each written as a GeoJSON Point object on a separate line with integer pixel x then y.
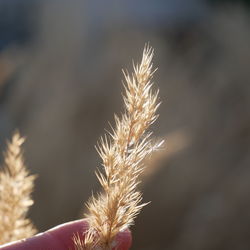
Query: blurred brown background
{"type": "Point", "coordinates": [60, 83]}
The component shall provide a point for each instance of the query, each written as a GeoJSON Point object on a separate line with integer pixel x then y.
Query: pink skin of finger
{"type": "Point", "coordinates": [60, 238]}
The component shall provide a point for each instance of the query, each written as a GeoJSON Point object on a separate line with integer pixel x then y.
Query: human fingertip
{"type": "Point", "coordinates": [123, 240]}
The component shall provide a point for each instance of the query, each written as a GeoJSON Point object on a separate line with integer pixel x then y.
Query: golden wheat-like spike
{"type": "Point", "coordinates": [16, 186]}
{"type": "Point", "coordinates": [122, 152]}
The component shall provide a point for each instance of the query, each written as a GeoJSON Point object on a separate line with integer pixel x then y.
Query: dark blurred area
{"type": "Point", "coordinates": [219, 2]}
{"type": "Point", "coordinates": [60, 84]}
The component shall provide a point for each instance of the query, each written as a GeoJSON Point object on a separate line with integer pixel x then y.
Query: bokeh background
{"type": "Point", "coordinates": [60, 84]}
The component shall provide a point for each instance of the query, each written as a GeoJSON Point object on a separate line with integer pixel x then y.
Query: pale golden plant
{"type": "Point", "coordinates": [16, 186]}
{"type": "Point", "coordinates": [122, 152]}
